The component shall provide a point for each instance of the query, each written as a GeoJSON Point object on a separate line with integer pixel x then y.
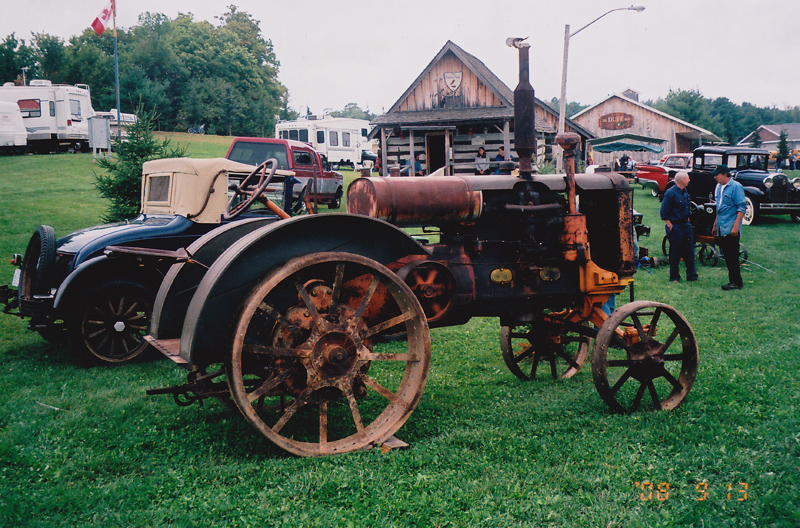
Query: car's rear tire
{"type": "Point", "coordinates": [110, 323]}
{"type": "Point", "coordinates": [38, 264]}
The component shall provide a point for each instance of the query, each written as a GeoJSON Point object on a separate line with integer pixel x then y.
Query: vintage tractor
{"type": "Point", "coordinates": [288, 321]}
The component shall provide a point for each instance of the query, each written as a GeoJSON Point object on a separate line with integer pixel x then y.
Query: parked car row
{"type": "Point", "coordinates": [767, 192]}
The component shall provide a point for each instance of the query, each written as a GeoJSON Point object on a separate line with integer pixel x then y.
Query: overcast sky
{"type": "Point", "coordinates": [334, 52]}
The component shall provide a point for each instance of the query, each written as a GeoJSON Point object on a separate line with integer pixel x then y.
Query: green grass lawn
{"type": "Point", "coordinates": [86, 447]}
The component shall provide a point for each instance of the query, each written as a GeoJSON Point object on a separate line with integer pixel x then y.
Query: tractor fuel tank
{"type": "Point", "coordinates": [433, 200]}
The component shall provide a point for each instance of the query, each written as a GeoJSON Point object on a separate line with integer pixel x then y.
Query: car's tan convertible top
{"type": "Point", "coordinates": [194, 188]}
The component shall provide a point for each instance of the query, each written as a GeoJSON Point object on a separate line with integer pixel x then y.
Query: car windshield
{"type": "Point", "coordinates": [255, 153]}
{"type": "Point", "coordinates": [707, 161]}
{"type": "Point", "coordinates": [676, 163]}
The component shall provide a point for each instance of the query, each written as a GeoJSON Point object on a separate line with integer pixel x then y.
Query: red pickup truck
{"type": "Point", "coordinates": [296, 156]}
{"type": "Point", "coordinates": [656, 177]}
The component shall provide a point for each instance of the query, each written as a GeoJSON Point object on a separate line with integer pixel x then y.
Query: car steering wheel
{"type": "Point", "coordinates": [232, 209]}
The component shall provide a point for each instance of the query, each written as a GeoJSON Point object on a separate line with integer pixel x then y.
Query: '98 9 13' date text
{"type": "Point", "coordinates": [662, 491]}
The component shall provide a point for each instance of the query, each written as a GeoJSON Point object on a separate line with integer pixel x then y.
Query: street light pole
{"type": "Point", "coordinates": [562, 103]}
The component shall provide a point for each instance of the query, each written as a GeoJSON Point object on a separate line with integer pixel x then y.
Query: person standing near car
{"type": "Point", "coordinates": [731, 206]}
{"type": "Point", "coordinates": [675, 211]}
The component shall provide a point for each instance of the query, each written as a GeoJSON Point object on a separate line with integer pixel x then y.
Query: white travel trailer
{"type": "Point", "coordinates": [55, 115]}
{"type": "Point", "coordinates": [13, 136]}
{"type": "Point", "coordinates": [341, 139]}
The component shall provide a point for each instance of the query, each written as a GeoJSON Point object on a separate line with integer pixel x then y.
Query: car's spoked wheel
{"type": "Point", "coordinates": [524, 348]}
{"type": "Point", "coordinates": [303, 368]}
{"type": "Point", "coordinates": [645, 356]}
{"type": "Point", "coordinates": [113, 321]}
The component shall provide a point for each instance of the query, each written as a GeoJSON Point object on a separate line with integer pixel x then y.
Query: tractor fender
{"type": "Point", "coordinates": [212, 311]}
{"type": "Point", "coordinates": [182, 278]}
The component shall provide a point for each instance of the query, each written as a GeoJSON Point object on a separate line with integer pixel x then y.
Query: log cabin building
{"type": "Point", "coordinates": [622, 124]}
{"type": "Point", "coordinates": [455, 106]}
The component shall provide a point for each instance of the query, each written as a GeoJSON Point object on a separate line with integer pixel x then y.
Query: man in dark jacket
{"type": "Point", "coordinates": [675, 211]}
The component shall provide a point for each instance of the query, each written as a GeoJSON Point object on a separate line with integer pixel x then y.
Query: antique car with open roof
{"type": "Point", "coordinates": [75, 290]}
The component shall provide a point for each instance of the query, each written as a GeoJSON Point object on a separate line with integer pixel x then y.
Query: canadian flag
{"type": "Point", "coordinates": [101, 22]}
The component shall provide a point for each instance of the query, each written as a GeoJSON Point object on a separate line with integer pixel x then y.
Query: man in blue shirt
{"type": "Point", "coordinates": [414, 165]}
{"type": "Point", "coordinates": [675, 210]}
{"type": "Point", "coordinates": [731, 205]}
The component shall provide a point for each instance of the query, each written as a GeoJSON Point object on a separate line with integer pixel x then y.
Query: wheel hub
{"type": "Point", "coordinates": [334, 355]}
{"type": "Point", "coordinates": [119, 326]}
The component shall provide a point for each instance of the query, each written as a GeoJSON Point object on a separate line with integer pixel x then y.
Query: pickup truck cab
{"type": "Point", "coordinates": [657, 177]}
{"type": "Point", "coordinates": [317, 181]}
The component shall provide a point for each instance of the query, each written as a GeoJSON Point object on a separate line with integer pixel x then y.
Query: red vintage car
{"type": "Point", "coordinates": [656, 177]}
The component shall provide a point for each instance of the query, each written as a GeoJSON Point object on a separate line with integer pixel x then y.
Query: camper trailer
{"type": "Point", "coordinates": [13, 136]}
{"type": "Point", "coordinates": [340, 139]}
{"type": "Point", "coordinates": [55, 115]}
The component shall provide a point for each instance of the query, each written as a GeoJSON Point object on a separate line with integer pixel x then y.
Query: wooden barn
{"type": "Point", "coordinates": [622, 124]}
{"type": "Point", "coordinates": [455, 106]}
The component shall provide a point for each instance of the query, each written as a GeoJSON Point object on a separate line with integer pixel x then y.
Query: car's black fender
{"type": "Point", "coordinates": [753, 191]}
{"type": "Point", "coordinates": [99, 269]}
{"type": "Point", "coordinates": [211, 313]}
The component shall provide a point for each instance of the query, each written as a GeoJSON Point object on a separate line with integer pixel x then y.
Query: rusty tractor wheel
{"type": "Point", "coordinates": [524, 348]}
{"type": "Point", "coordinates": [644, 348]}
{"type": "Point", "coordinates": [303, 368]}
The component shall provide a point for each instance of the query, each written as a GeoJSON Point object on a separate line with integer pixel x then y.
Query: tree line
{"type": "Point", "coordinates": [729, 121]}
{"type": "Point", "coordinates": [223, 77]}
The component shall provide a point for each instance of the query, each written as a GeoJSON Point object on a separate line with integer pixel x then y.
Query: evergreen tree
{"type": "Point", "coordinates": [756, 141]}
{"type": "Point", "coordinates": [122, 186]}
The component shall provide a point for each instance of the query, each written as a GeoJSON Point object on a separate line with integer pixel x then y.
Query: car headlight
{"type": "Point", "coordinates": [796, 183]}
{"type": "Point", "coordinates": [768, 182]}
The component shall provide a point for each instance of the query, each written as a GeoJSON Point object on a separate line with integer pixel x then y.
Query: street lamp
{"type": "Point", "coordinates": [562, 104]}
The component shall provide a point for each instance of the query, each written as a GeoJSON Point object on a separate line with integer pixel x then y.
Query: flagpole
{"type": "Point", "coordinates": [116, 65]}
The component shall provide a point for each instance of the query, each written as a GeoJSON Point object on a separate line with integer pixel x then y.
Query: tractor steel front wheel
{"type": "Point", "coordinates": [645, 355]}
{"type": "Point", "coordinates": [524, 347]}
{"type": "Point", "coordinates": [304, 370]}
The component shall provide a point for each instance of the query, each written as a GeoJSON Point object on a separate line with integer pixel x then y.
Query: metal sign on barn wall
{"type": "Point", "coordinates": [453, 80]}
{"type": "Point", "coordinates": [616, 121]}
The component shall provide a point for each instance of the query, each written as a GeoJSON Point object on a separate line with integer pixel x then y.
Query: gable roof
{"type": "Point", "coordinates": [792, 132]}
{"type": "Point", "coordinates": [705, 134]}
{"type": "Point", "coordinates": [488, 78]}
{"type": "Point", "coordinates": [484, 74]}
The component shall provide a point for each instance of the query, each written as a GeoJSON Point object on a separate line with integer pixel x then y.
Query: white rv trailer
{"type": "Point", "coordinates": [341, 139]}
{"type": "Point", "coordinates": [55, 115]}
{"type": "Point", "coordinates": [13, 136]}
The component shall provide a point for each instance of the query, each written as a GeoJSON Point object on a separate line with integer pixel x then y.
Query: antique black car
{"type": "Point", "coordinates": [75, 290]}
{"type": "Point", "coordinates": [767, 193]}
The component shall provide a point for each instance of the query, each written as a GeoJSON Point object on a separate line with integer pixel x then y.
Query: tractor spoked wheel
{"type": "Point", "coordinates": [304, 370]}
{"type": "Point", "coordinates": [645, 356]}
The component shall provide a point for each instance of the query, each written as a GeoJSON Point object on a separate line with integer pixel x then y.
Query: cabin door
{"type": "Point", "coordinates": [437, 145]}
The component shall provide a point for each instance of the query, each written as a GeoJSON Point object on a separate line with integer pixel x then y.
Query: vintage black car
{"type": "Point", "coordinates": [767, 193]}
{"type": "Point", "coordinates": [77, 291]}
